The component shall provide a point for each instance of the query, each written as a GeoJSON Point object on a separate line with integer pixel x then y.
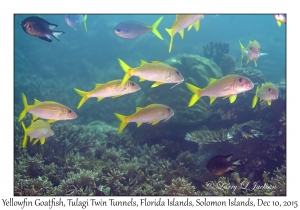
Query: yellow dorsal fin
{"type": "Point", "coordinates": [137, 109]}
{"type": "Point", "coordinates": [97, 85]}
{"type": "Point", "coordinates": [138, 124]}
{"type": "Point", "coordinates": [36, 101]}
{"type": "Point", "coordinates": [212, 80]}
{"type": "Point", "coordinates": [157, 62]}
{"type": "Point", "coordinates": [181, 32]}
{"type": "Point", "coordinates": [143, 62]}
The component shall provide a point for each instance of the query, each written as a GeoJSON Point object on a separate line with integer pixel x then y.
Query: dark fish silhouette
{"type": "Point", "coordinates": [38, 27]}
{"type": "Point", "coordinates": [248, 131]}
{"type": "Point", "coordinates": [220, 165]}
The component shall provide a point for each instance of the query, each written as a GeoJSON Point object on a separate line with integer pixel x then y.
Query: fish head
{"type": "Point", "coordinates": [67, 114]}
{"type": "Point", "coordinates": [121, 31]}
{"type": "Point", "coordinates": [242, 84]}
{"type": "Point", "coordinates": [254, 52]}
{"type": "Point", "coordinates": [131, 86]}
{"type": "Point", "coordinates": [167, 113]}
{"type": "Point", "coordinates": [27, 26]}
{"type": "Point", "coordinates": [175, 77]}
{"type": "Point", "coordinates": [268, 93]}
{"type": "Point", "coordinates": [72, 21]}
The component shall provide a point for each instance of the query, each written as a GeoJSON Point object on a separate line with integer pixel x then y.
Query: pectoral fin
{"type": "Point", "coordinates": [212, 99]}
{"type": "Point", "coordinates": [232, 98]}
{"type": "Point", "coordinates": [156, 84]}
{"type": "Point", "coordinates": [154, 122]}
{"type": "Point", "coordinates": [181, 33]}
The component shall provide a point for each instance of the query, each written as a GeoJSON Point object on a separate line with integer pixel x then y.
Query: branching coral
{"type": "Point", "coordinates": [215, 50]}
{"type": "Point", "coordinates": [180, 187]}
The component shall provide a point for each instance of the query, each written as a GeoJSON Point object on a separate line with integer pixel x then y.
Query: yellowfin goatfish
{"type": "Point", "coordinates": [268, 93]}
{"type": "Point", "coordinates": [39, 129]}
{"type": "Point", "coordinates": [47, 110]}
{"type": "Point", "coordinates": [182, 22]}
{"type": "Point", "coordinates": [220, 165]}
{"type": "Point", "coordinates": [280, 18]}
{"type": "Point", "coordinates": [228, 86]}
{"type": "Point", "coordinates": [110, 89]}
{"type": "Point", "coordinates": [252, 52]}
{"type": "Point", "coordinates": [133, 29]}
{"type": "Point", "coordinates": [38, 27]}
{"type": "Point", "coordinates": [152, 113]}
{"type": "Point", "coordinates": [74, 21]}
{"type": "Point", "coordinates": [156, 71]}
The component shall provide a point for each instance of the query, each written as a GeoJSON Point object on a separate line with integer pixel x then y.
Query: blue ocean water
{"type": "Point", "coordinates": [80, 59]}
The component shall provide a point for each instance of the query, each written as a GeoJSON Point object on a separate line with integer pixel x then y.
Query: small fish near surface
{"type": "Point", "coordinates": [280, 18]}
{"type": "Point", "coordinates": [181, 22]}
{"type": "Point", "coordinates": [248, 131]}
{"type": "Point", "coordinates": [267, 93]}
{"type": "Point", "coordinates": [38, 129]}
{"type": "Point", "coordinates": [110, 89]}
{"type": "Point", "coordinates": [133, 29]}
{"type": "Point", "coordinates": [220, 165]}
{"type": "Point", "coordinates": [38, 27]}
{"type": "Point", "coordinates": [252, 51]}
{"type": "Point", "coordinates": [75, 20]}
{"type": "Point", "coordinates": [156, 71]}
{"type": "Point", "coordinates": [228, 87]}
{"type": "Point", "coordinates": [152, 114]}
{"type": "Point", "coordinates": [50, 110]}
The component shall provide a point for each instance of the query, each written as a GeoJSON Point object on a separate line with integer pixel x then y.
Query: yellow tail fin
{"type": "Point", "coordinates": [126, 69]}
{"type": "Point", "coordinates": [84, 97]}
{"type": "Point", "coordinates": [23, 113]}
{"type": "Point", "coordinates": [169, 30]}
{"type": "Point", "coordinates": [25, 136]}
{"type": "Point", "coordinates": [84, 22]}
{"type": "Point", "coordinates": [255, 98]}
{"type": "Point", "coordinates": [153, 28]}
{"type": "Point", "coordinates": [123, 124]}
{"type": "Point", "coordinates": [197, 93]}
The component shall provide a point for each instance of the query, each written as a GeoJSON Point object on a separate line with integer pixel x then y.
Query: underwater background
{"type": "Point", "coordinates": [86, 156]}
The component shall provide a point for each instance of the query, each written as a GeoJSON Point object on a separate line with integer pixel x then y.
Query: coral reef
{"type": "Point", "coordinates": [215, 51]}
{"type": "Point", "coordinates": [227, 64]}
{"type": "Point", "coordinates": [180, 187]}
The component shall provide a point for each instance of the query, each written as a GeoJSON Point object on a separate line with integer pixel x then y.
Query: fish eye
{"type": "Point", "coordinates": [131, 83]}
{"type": "Point", "coordinates": [118, 30]}
{"type": "Point", "coordinates": [240, 79]}
{"type": "Point", "coordinates": [169, 109]}
{"type": "Point", "coordinates": [250, 48]}
{"type": "Point", "coordinates": [269, 89]}
{"type": "Point", "coordinates": [177, 72]}
{"type": "Point", "coordinates": [69, 111]}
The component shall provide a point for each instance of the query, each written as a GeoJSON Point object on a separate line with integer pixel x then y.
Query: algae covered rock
{"type": "Point", "coordinates": [196, 70]}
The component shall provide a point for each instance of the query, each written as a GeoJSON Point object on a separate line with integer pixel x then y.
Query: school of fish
{"type": "Point", "coordinates": [229, 86]}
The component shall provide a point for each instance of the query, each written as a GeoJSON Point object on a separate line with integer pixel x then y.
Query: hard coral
{"type": "Point", "coordinates": [215, 50]}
